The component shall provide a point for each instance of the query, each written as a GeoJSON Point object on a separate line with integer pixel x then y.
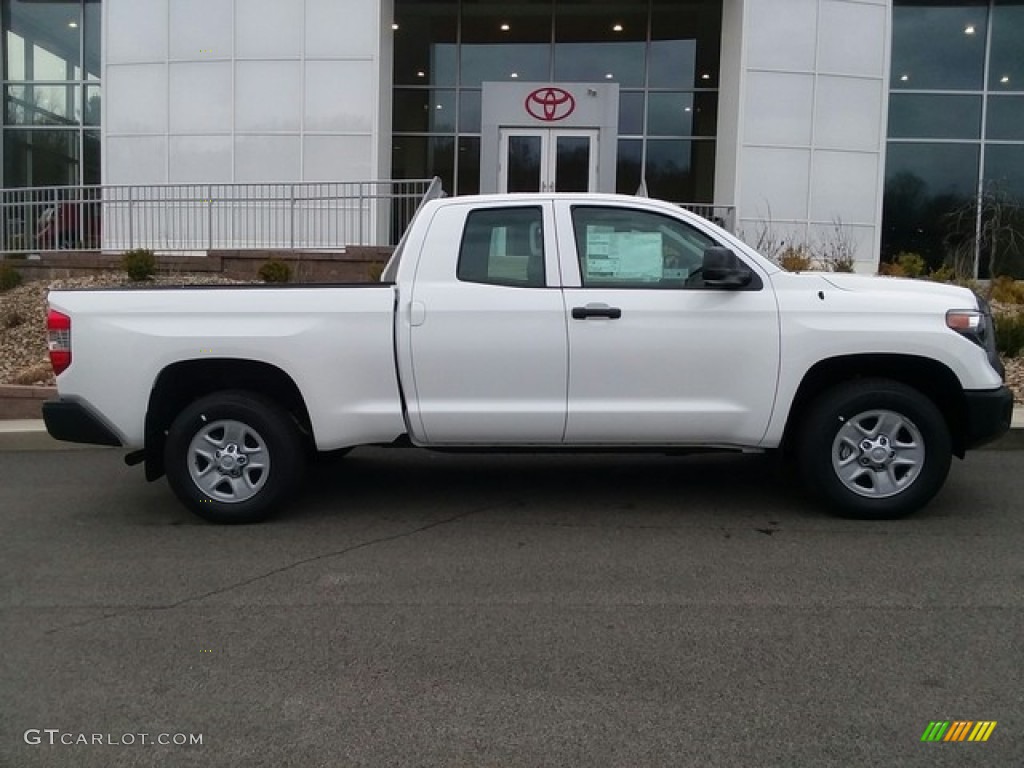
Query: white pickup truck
{"type": "Point", "coordinates": [547, 321]}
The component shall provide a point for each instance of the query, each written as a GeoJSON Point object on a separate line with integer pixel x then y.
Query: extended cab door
{"type": "Point", "coordinates": [655, 356]}
{"type": "Point", "coordinates": [487, 336]}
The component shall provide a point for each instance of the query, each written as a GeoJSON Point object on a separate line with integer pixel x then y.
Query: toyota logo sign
{"type": "Point", "coordinates": [550, 104]}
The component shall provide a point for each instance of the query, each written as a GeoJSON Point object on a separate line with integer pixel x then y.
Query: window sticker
{"type": "Point", "coordinates": [626, 256]}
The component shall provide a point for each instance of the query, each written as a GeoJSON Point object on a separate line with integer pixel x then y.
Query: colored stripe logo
{"type": "Point", "coordinates": [958, 730]}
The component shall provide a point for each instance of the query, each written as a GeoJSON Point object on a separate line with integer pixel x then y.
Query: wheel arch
{"type": "Point", "coordinates": [185, 381]}
{"type": "Point", "coordinates": [931, 378]}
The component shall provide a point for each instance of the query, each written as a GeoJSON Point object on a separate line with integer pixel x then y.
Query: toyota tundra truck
{"type": "Point", "coordinates": [540, 322]}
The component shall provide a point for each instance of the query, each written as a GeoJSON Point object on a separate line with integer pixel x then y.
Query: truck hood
{"type": "Point", "coordinates": [963, 297]}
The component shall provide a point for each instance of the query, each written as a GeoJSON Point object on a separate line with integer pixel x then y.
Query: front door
{"type": "Point", "coordinates": [547, 160]}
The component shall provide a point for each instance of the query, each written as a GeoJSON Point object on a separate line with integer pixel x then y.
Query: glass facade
{"type": "Point", "coordinates": [956, 133]}
{"type": "Point", "coordinates": [51, 83]}
{"type": "Point", "coordinates": [664, 56]}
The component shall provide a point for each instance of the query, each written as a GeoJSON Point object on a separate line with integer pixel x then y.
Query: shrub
{"type": "Point", "coordinates": [275, 271]}
{"type": "Point", "coordinates": [1006, 290]}
{"type": "Point", "coordinates": [9, 277]}
{"type": "Point", "coordinates": [912, 264]}
{"type": "Point", "coordinates": [944, 274]}
{"type": "Point", "coordinates": [891, 269]}
{"type": "Point", "coordinates": [1010, 334]}
{"type": "Point", "coordinates": [12, 319]}
{"type": "Point", "coordinates": [795, 258]}
{"type": "Point", "coordinates": [139, 264]}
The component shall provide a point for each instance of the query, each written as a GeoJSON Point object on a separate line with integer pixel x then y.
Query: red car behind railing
{"type": "Point", "coordinates": [68, 226]}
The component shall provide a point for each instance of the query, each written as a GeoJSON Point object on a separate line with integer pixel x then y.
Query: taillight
{"type": "Point", "coordinates": [58, 335]}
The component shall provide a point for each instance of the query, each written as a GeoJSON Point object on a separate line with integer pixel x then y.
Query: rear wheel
{"type": "Point", "coordinates": [233, 457]}
{"type": "Point", "coordinates": [874, 449]}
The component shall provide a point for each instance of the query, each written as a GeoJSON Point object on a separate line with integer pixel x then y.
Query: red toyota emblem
{"type": "Point", "coordinates": [550, 104]}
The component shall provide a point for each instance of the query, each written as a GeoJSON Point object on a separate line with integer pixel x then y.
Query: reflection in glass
{"type": "Point", "coordinates": [923, 184]}
{"type": "Point", "coordinates": [524, 163]}
{"type": "Point", "coordinates": [421, 111]}
{"type": "Point", "coordinates": [1004, 168]}
{"type": "Point", "coordinates": [1006, 66]}
{"type": "Point", "coordinates": [682, 114]}
{"type": "Point", "coordinates": [422, 157]}
{"type": "Point", "coordinates": [1005, 118]}
{"type": "Point", "coordinates": [628, 162]}
{"type": "Point", "coordinates": [91, 157]}
{"type": "Point", "coordinates": [469, 111]}
{"type": "Point", "coordinates": [527, 61]}
{"type": "Point", "coordinates": [43, 105]}
{"type": "Point", "coordinates": [1004, 172]}
{"type": "Point", "coordinates": [469, 166]}
{"type": "Point", "coordinates": [585, 62]}
{"type": "Point", "coordinates": [91, 33]}
{"type": "Point", "coordinates": [685, 44]}
{"type": "Point", "coordinates": [50, 34]}
{"type": "Point", "coordinates": [572, 164]}
{"type": "Point", "coordinates": [39, 158]}
{"type": "Point", "coordinates": [499, 40]}
{"type": "Point", "coordinates": [93, 104]}
{"type": "Point", "coordinates": [934, 116]}
{"type": "Point", "coordinates": [631, 114]}
{"type": "Point", "coordinates": [939, 46]}
{"type": "Point", "coordinates": [424, 43]}
{"type": "Point", "coordinates": [680, 171]}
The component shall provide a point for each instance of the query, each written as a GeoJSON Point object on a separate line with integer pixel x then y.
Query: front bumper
{"type": "Point", "coordinates": [71, 421]}
{"type": "Point", "coordinates": [989, 413]}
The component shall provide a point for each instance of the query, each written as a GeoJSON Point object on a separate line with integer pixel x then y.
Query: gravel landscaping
{"type": "Point", "coordinates": [23, 358]}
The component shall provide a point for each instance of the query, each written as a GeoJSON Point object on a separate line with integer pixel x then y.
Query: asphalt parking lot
{"type": "Point", "coordinates": [418, 609]}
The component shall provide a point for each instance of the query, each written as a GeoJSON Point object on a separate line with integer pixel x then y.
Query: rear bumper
{"type": "Point", "coordinates": [989, 414]}
{"type": "Point", "coordinates": [71, 421]}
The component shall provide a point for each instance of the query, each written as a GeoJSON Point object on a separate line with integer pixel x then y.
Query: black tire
{"type": "Point", "coordinates": [888, 440]}
{"type": "Point", "coordinates": [230, 428]}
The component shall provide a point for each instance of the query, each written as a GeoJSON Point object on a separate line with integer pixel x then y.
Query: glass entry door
{"type": "Point", "coordinates": [547, 160]}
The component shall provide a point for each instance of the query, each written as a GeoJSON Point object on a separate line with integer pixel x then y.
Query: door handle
{"type": "Point", "coordinates": [596, 310]}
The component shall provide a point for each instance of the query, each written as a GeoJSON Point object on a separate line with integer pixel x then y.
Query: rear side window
{"type": "Point", "coordinates": [503, 246]}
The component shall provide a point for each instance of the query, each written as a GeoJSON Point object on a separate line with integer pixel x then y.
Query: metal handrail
{"type": "Point", "coordinates": [203, 217]}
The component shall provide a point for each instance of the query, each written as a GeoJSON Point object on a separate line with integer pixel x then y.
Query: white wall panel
{"type": "Point", "coordinates": [268, 96]}
{"type": "Point", "coordinates": [202, 29]}
{"type": "Point", "coordinates": [852, 38]}
{"type": "Point", "coordinates": [195, 159]}
{"type": "Point", "coordinates": [776, 183]}
{"type": "Point", "coordinates": [136, 30]}
{"type": "Point", "coordinates": [340, 96]}
{"type": "Point", "coordinates": [848, 113]}
{"type": "Point", "coordinates": [340, 29]}
{"type": "Point", "coordinates": [842, 187]}
{"type": "Point", "coordinates": [780, 34]}
{"type": "Point", "coordinates": [334, 158]}
{"type": "Point", "coordinates": [135, 99]}
{"type": "Point", "coordinates": [778, 109]}
{"type": "Point", "coordinates": [200, 97]}
{"type": "Point", "coordinates": [136, 159]}
{"type": "Point", "coordinates": [268, 29]}
{"type": "Point", "coordinates": [268, 158]}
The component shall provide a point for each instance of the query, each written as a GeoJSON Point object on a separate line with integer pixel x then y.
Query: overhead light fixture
{"type": "Point", "coordinates": [705, 76]}
{"type": "Point", "coordinates": [421, 73]}
{"type": "Point", "coordinates": [73, 24]}
{"type": "Point", "coordinates": [616, 28]}
{"type": "Point", "coordinates": [904, 78]}
{"type": "Point", "coordinates": [1004, 79]}
{"type": "Point", "coordinates": [969, 29]}
{"type": "Point", "coordinates": [514, 75]}
{"type": "Point", "coordinates": [505, 27]}
{"type": "Point", "coordinates": [687, 109]}
{"type": "Point", "coordinates": [609, 76]}
{"type": "Point", "coordinates": [394, 26]}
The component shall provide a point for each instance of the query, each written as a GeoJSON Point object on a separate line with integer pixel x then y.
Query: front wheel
{"type": "Point", "coordinates": [233, 457]}
{"type": "Point", "coordinates": [874, 449]}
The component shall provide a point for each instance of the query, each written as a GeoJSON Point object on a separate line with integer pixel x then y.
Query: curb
{"type": "Point", "coordinates": [31, 435]}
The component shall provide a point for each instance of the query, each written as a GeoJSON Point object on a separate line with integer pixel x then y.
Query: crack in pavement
{"type": "Point", "coordinates": [282, 569]}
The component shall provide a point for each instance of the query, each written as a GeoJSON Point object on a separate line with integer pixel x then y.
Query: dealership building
{"type": "Point", "coordinates": [879, 117]}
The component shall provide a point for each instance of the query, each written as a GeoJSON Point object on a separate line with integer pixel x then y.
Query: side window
{"type": "Point", "coordinates": [623, 248]}
{"type": "Point", "coordinates": [503, 246]}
